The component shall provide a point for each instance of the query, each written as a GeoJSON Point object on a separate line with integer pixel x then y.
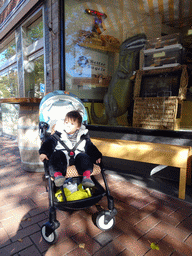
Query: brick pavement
{"type": "Point", "coordinates": [144, 217]}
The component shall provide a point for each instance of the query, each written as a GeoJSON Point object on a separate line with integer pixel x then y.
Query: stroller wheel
{"type": "Point", "coordinates": [102, 223]}
{"type": "Point", "coordinates": [52, 237]}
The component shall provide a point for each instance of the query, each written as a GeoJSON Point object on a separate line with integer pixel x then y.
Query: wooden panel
{"type": "Point", "coordinates": [20, 100]}
{"type": "Point", "coordinates": [98, 82]}
{"type": "Point", "coordinates": [154, 153]}
{"type": "Point", "coordinates": [183, 80]}
{"type": "Point", "coordinates": [186, 115]}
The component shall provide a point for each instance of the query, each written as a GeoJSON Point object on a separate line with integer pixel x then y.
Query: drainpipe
{"type": "Point", "coordinates": [62, 43]}
{"type": "Point", "coordinates": [52, 33]}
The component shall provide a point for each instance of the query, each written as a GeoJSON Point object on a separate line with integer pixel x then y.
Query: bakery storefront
{"type": "Point", "coordinates": [132, 72]}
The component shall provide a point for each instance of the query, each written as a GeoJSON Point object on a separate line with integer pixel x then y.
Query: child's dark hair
{"type": "Point", "coordinates": [74, 115]}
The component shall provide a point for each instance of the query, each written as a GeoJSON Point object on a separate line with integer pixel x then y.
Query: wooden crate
{"type": "Point", "coordinates": [155, 113]}
{"type": "Point", "coordinates": [140, 74]}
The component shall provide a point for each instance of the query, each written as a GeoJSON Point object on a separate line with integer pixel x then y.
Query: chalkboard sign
{"type": "Point", "coordinates": [165, 82]}
{"type": "Point", "coordinates": [160, 85]}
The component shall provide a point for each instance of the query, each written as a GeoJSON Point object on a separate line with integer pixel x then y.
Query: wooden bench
{"type": "Point", "coordinates": [154, 153]}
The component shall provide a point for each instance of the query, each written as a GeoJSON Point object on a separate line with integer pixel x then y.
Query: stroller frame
{"type": "Point", "coordinates": [105, 219]}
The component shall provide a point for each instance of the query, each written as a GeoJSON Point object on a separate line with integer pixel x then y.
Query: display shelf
{"type": "Point", "coordinates": [98, 82]}
{"type": "Point", "coordinates": [165, 48]}
{"type": "Point", "coordinates": [100, 47]}
{"type": "Point", "coordinates": [20, 100]}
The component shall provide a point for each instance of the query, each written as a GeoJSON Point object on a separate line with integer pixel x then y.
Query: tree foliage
{"type": "Point", "coordinates": [36, 32]}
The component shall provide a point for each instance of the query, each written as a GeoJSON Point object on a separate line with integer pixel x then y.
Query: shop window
{"type": "Point", "coordinates": [34, 77]}
{"type": "Point", "coordinates": [7, 52]}
{"type": "Point", "coordinates": [9, 83]}
{"type": "Point", "coordinates": [34, 31]}
{"type": "Point", "coordinates": [33, 44]}
{"type": "Point", "coordinates": [106, 60]}
{"type": "Point", "coordinates": [93, 36]}
{"type": "Point", "coordinates": [8, 68]}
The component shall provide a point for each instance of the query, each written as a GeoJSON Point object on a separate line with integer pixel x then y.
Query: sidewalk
{"type": "Point", "coordinates": [144, 217]}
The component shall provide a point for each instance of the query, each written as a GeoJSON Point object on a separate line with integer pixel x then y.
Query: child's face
{"type": "Point", "coordinates": [71, 126]}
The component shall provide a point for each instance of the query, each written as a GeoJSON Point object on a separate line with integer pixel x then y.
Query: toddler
{"type": "Point", "coordinates": [74, 135]}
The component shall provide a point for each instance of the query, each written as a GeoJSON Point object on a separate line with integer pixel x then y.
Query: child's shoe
{"type": "Point", "coordinates": [87, 181]}
{"type": "Point", "coordinates": [59, 179]}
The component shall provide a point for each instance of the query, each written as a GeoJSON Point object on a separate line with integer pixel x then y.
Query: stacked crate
{"type": "Point", "coordinates": [160, 56]}
{"type": "Point", "coordinates": [155, 113]}
{"type": "Point", "coordinates": [162, 52]}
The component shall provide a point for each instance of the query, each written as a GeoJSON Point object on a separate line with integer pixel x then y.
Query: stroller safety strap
{"type": "Point", "coordinates": [71, 152]}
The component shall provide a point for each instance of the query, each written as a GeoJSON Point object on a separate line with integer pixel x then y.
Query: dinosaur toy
{"type": "Point", "coordinates": [119, 98]}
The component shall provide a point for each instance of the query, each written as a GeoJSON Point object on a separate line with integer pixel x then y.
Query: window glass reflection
{"type": "Point", "coordinates": [33, 32]}
{"type": "Point", "coordinates": [9, 84]}
{"type": "Point", "coordinates": [34, 77]}
{"type": "Point", "coordinates": [7, 52]}
{"type": "Point", "coordinates": [92, 43]}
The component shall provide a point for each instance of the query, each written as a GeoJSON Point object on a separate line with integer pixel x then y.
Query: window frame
{"type": "Point", "coordinates": [37, 48]}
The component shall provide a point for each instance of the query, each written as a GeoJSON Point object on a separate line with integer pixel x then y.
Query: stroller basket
{"type": "Point", "coordinates": [97, 193]}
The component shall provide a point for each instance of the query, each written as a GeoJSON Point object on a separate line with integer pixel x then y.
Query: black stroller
{"type": "Point", "coordinates": [53, 107]}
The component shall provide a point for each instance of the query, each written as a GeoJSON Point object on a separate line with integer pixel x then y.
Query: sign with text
{"type": "Point", "coordinates": [89, 62]}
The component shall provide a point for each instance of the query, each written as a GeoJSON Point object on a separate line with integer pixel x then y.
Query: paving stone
{"type": "Point", "coordinates": [148, 223]}
{"type": "Point", "coordinates": [144, 216]}
{"type": "Point", "coordinates": [186, 224]}
{"type": "Point", "coordinates": [32, 220]}
{"type": "Point", "coordinates": [38, 241]}
{"type": "Point", "coordinates": [180, 247]}
{"type": "Point", "coordinates": [153, 236]}
{"type": "Point", "coordinates": [188, 241]}
{"type": "Point", "coordinates": [126, 253]}
{"type": "Point", "coordinates": [63, 248]}
{"type": "Point", "coordinates": [129, 229]}
{"type": "Point", "coordinates": [133, 245]}
{"type": "Point", "coordinates": [89, 244]}
{"type": "Point", "coordinates": [103, 238]}
{"type": "Point", "coordinates": [78, 252]}
{"type": "Point", "coordinates": [16, 247]}
{"type": "Point", "coordinates": [114, 248]}
{"type": "Point", "coordinates": [136, 217]}
{"type": "Point", "coordinates": [25, 232]}
{"type": "Point", "coordinates": [177, 233]}
{"type": "Point", "coordinates": [4, 238]}
{"type": "Point", "coordinates": [32, 250]}
{"type": "Point", "coordinates": [164, 249]}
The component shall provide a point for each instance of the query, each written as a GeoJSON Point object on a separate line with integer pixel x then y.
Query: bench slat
{"type": "Point", "coordinates": [154, 153]}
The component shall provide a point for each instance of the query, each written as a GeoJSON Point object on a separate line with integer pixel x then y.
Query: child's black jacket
{"type": "Point", "coordinates": [50, 143]}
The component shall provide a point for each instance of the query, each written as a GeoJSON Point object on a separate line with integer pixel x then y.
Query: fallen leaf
{"type": "Point", "coordinates": [154, 246]}
{"type": "Point", "coordinates": [20, 240]}
{"type": "Point", "coordinates": [82, 246]}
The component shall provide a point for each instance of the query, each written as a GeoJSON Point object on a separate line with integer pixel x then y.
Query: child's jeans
{"type": "Point", "coordinates": [58, 163]}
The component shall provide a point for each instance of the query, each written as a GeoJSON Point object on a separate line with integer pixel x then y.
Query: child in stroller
{"type": "Point", "coordinates": [70, 134]}
{"type": "Point", "coordinates": [57, 156]}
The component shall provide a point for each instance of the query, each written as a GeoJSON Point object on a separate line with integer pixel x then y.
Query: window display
{"type": "Point", "coordinates": [92, 45]}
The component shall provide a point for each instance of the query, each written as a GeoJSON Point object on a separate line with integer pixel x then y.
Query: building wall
{"type": "Point", "coordinates": [12, 20]}
{"type": "Point", "coordinates": [9, 16]}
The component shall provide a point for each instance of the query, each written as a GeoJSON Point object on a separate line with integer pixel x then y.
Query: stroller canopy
{"type": "Point", "coordinates": [55, 105]}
